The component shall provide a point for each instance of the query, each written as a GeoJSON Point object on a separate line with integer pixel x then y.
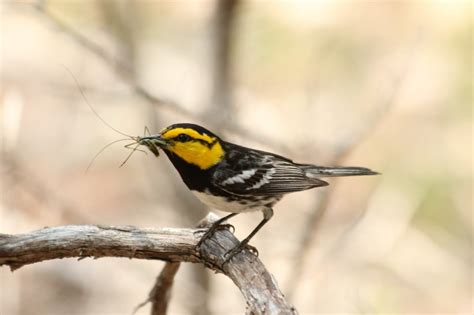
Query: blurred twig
{"type": "Point", "coordinates": [120, 67]}
{"type": "Point", "coordinates": [173, 245]}
{"type": "Point", "coordinates": [223, 40]}
{"type": "Point", "coordinates": [17, 173]}
{"type": "Point", "coordinates": [345, 236]}
{"type": "Point", "coordinates": [160, 294]}
{"type": "Point", "coordinates": [119, 17]}
{"type": "Point", "coordinates": [220, 107]}
{"type": "Point", "coordinates": [164, 280]}
{"type": "Point", "coordinates": [124, 72]}
{"type": "Point", "coordinates": [311, 229]}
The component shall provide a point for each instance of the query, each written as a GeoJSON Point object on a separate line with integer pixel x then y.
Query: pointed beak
{"type": "Point", "coordinates": [153, 143]}
{"type": "Point", "coordinates": [156, 140]}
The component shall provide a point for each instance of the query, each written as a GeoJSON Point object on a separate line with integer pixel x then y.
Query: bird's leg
{"type": "Point", "coordinates": [215, 226]}
{"type": "Point", "coordinates": [267, 214]}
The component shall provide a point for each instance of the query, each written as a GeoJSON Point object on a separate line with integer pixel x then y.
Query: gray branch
{"type": "Point", "coordinates": [257, 285]}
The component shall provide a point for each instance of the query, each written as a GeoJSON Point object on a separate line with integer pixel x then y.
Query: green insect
{"type": "Point", "coordinates": [138, 141]}
{"type": "Point", "coordinates": [150, 143]}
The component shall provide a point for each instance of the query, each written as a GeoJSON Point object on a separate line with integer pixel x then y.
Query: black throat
{"type": "Point", "coordinates": [193, 176]}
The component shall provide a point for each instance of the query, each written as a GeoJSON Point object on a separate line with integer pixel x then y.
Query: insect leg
{"type": "Point", "coordinates": [130, 155]}
{"type": "Point", "coordinates": [102, 150]}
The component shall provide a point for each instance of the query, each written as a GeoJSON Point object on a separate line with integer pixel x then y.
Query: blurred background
{"type": "Point", "coordinates": [381, 84]}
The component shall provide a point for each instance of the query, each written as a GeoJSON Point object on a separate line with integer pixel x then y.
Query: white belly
{"type": "Point", "coordinates": [220, 203]}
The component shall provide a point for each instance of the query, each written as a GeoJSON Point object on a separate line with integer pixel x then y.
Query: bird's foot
{"type": "Point", "coordinates": [237, 249]}
{"type": "Point", "coordinates": [210, 232]}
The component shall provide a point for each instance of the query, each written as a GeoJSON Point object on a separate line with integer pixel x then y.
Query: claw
{"type": "Point", "coordinates": [216, 226]}
{"type": "Point", "coordinates": [209, 233]}
{"type": "Point", "coordinates": [252, 249]}
{"type": "Point", "coordinates": [226, 227]}
{"type": "Point", "coordinates": [237, 249]}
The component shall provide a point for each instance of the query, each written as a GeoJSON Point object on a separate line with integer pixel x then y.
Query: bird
{"type": "Point", "coordinates": [236, 179]}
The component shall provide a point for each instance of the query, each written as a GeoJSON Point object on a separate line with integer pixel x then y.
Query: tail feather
{"type": "Point", "coordinates": [323, 171]}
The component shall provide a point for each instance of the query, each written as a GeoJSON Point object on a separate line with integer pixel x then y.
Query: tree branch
{"type": "Point", "coordinates": [160, 295]}
{"type": "Point", "coordinates": [161, 292]}
{"type": "Point", "coordinates": [257, 285]}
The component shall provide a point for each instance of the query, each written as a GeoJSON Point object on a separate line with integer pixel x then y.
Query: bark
{"type": "Point", "coordinates": [257, 285]}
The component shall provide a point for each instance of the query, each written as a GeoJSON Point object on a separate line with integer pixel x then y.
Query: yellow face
{"type": "Point", "coordinates": [192, 146]}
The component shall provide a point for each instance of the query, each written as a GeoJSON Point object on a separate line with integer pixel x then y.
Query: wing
{"type": "Point", "coordinates": [261, 173]}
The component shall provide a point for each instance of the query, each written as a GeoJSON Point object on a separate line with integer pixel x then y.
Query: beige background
{"type": "Point", "coordinates": [388, 83]}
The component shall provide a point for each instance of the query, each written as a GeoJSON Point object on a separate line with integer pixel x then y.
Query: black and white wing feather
{"type": "Point", "coordinates": [260, 173]}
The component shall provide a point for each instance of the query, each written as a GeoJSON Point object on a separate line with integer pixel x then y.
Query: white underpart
{"type": "Point", "coordinates": [240, 178]}
{"type": "Point", "coordinates": [220, 203]}
{"type": "Point", "coordinates": [265, 179]}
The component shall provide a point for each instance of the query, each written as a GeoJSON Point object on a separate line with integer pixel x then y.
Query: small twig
{"type": "Point", "coordinates": [123, 70]}
{"type": "Point", "coordinates": [223, 39]}
{"type": "Point", "coordinates": [315, 218]}
{"type": "Point", "coordinates": [160, 293]}
{"type": "Point", "coordinates": [108, 59]}
{"type": "Point", "coordinates": [172, 245]}
{"type": "Point", "coordinates": [312, 227]}
{"type": "Point", "coordinates": [19, 174]}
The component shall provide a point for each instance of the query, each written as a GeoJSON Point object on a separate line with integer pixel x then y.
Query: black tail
{"type": "Point", "coordinates": [323, 171]}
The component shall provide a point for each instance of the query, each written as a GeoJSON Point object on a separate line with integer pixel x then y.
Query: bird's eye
{"type": "Point", "coordinates": [183, 137]}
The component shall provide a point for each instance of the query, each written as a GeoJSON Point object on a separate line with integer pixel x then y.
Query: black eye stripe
{"type": "Point", "coordinates": [204, 142]}
{"type": "Point", "coordinates": [186, 138]}
{"type": "Point", "coordinates": [182, 137]}
{"type": "Point", "coordinates": [211, 144]}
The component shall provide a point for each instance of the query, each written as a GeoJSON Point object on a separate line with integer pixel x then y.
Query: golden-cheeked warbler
{"type": "Point", "coordinates": [236, 179]}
